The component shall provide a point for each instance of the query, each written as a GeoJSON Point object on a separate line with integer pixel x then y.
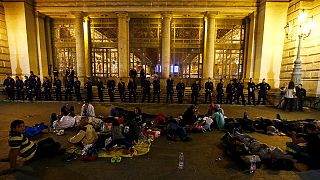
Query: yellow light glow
{"type": "Point", "coordinates": [302, 16]}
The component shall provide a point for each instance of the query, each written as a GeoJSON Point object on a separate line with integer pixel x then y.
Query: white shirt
{"type": "Point", "coordinates": [64, 122]}
{"type": "Point", "coordinates": [87, 110]}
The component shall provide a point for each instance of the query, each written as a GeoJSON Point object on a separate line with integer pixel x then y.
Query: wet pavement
{"type": "Point", "coordinates": [161, 162]}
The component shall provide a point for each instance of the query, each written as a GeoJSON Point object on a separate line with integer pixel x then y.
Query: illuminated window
{"type": "Point", "coordinates": [187, 47]}
{"type": "Point", "coordinates": [229, 49]}
{"type": "Point", "coordinates": [64, 43]}
{"type": "Point", "coordinates": [105, 62]}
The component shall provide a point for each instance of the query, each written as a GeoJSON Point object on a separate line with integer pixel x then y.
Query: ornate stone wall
{"type": "Point", "coordinates": [5, 66]}
{"type": "Point", "coordinates": [310, 47]}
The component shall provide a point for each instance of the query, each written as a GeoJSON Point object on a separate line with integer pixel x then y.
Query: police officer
{"type": "Point", "coordinates": [37, 88]}
{"type": "Point", "coordinates": [55, 73]}
{"type": "Point", "coordinates": [209, 89]}
{"type": "Point", "coordinates": [69, 88]}
{"type": "Point", "coordinates": [156, 89]}
{"type": "Point", "coordinates": [100, 87]}
{"type": "Point", "coordinates": [230, 92]}
{"type": "Point", "coordinates": [180, 91]}
{"type": "Point", "coordinates": [88, 87]}
{"type": "Point", "coordinates": [146, 89]}
{"type": "Point", "coordinates": [239, 88]}
{"type": "Point", "coordinates": [301, 95]}
{"type": "Point", "coordinates": [133, 74]}
{"type": "Point", "coordinates": [142, 76]}
{"type": "Point", "coordinates": [47, 85]}
{"type": "Point", "coordinates": [19, 88]}
{"type": "Point", "coordinates": [122, 90]}
{"type": "Point", "coordinates": [111, 85]}
{"type": "Point", "coordinates": [77, 85]}
{"type": "Point", "coordinates": [263, 90]}
{"type": "Point", "coordinates": [132, 88]}
{"type": "Point", "coordinates": [220, 93]}
{"type": "Point", "coordinates": [170, 89]}
{"type": "Point", "coordinates": [9, 87]}
{"type": "Point", "coordinates": [31, 85]}
{"type": "Point", "coordinates": [251, 92]}
{"type": "Point", "coordinates": [27, 88]}
{"type": "Point", "coordinates": [71, 75]}
{"type": "Point", "coordinates": [58, 85]}
{"type": "Point", "coordinates": [195, 88]}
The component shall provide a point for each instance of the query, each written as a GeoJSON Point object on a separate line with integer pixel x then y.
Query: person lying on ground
{"type": "Point", "coordinates": [67, 109]}
{"type": "Point", "coordinates": [312, 148]}
{"type": "Point", "coordinates": [65, 122]}
{"type": "Point", "coordinates": [21, 146]}
{"type": "Point", "coordinates": [87, 109]}
{"type": "Point", "coordinates": [174, 129]}
{"type": "Point", "coordinates": [117, 137]}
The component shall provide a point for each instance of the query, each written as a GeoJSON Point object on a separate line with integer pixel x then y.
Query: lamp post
{"type": "Point", "coordinates": [304, 28]}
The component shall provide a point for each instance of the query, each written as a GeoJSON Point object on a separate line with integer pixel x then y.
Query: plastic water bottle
{"type": "Point", "coordinates": [253, 162]}
{"type": "Point", "coordinates": [181, 161]}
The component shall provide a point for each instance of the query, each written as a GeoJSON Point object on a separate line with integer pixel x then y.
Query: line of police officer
{"type": "Point", "coordinates": [31, 87]}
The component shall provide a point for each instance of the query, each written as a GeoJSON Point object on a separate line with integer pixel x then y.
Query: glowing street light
{"type": "Point", "coordinates": [304, 29]}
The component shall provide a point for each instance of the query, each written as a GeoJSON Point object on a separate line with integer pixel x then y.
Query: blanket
{"type": "Point", "coordinates": [141, 148]}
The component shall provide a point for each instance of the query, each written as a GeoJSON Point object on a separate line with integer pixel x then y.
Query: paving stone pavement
{"type": "Point", "coordinates": [161, 162]}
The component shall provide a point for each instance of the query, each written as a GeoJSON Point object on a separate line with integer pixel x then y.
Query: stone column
{"type": "Point", "coordinates": [41, 45]}
{"type": "Point", "coordinates": [80, 55]}
{"type": "Point", "coordinates": [123, 44]}
{"type": "Point", "coordinates": [165, 68]}
{"type": "Point", "coordinates": [208, 63]}
{"type": "Point", "coordinates": [249, 46]}
{"type": "Point", "coordinates": [87, 55]}
{"type": "Point", "coordinates": [269, 41]}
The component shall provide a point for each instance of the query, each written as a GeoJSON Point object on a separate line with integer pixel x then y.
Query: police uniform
{"type": "Point", "coordinates": [133, 74]}
{"type": "Point", "coordinates": [156, 90]}
{"type": "Point", "coordinates": [132, 87]}
{"type": "Point", "coordinates": [77, 85]}
{"type": "Point", "coordinates": [55, 73]}
{"type": "Point", "coordinates": [240, 88]}
{"type": "Point", "coordinates": [69, 89]}
{"type": "Point", "coordinates": [146, 90]}
{"type": "Point", "coordinates": [100, 87]}
{"type": "Point", "coordinates": [180, 92]}
{"type": "Point", "coordinates": [230, 92]}
{"type": "Point", "coordinates": [122, 91]}
{"type": "Point", "coordinates": [251, 93]}
{"type": "Point", "coordinates": [169, 90]}
{"type": "Point", "coordinates": [9, 87]}
{"type": "Point", "coordinates": [195, 88]}
{"type": "Point", "coordinates": [19, 89]}
{"type": "Point", "coordinates": [263, 89]}
{"type": "Point", "coordinates": [220, 93]}
{"type": "Point", "coordinates": [88, 87]}
{"type": "Point", "coordinates": [209, 89]}
{"type": "Point", "coordinates": [47, 85]}
{"type": "Point", "coordinates": [301, 95]}
{"type": "Point", "coordinates": [111, 85]}
{"type": "Point", "coordinates": [58, 84]}
{"type": "Point", "coordinates": [37, 88]}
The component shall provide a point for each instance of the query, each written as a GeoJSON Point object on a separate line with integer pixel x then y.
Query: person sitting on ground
{"type": "Point", "coordinates": [139, 117]}
{"type": "Point", "coordinates": [21, 146]}
{"type": "Point", "coordinates": [210, 108]}
{"type": "Point", "coordinates": [312, 148]}
{"type": "Point", "coordinates": [218, 106]}
{"type": "Point", "coordinates": [87, 109]}
{"type": "Point", "coordinates": [218, 117]}
{"type": "Point", "coordinates": [132, 131]}
{"type": "Point", "coordinates": [117, 137]}
{"type": "Point", "coordinates": [189, 116]}
{"type": "Point", "coordinates": [174, 129]}
{"type": "Point", "coordinates": [67, 109]}
{"type": "Point", "coordinates": [65, 122]}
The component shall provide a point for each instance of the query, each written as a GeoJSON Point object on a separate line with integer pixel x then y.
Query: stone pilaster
{"type": "Point", "coordinates": [41, 45]}
{"type": "Point", "coordinates": [123, 43]}
{"type": "Point", "coordinates": [208, 63]}
{"type": "Point", "coordinates": [80, 51]}
{"type": "Point", "coordinates": [165, 68]}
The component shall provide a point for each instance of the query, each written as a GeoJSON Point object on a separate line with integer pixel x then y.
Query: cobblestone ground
{"type": "Point", "coordinates": [161, 161]}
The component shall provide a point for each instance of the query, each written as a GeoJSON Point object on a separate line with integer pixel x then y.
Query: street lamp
{"type": "Point", "coordinates": [305, 25]}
